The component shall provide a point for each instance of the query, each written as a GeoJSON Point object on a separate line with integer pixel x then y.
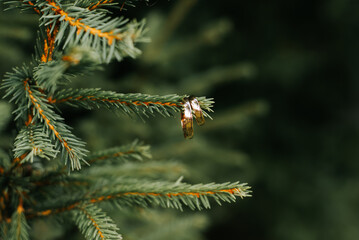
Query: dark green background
{"type": "Point", "coordinates": [299, 140]}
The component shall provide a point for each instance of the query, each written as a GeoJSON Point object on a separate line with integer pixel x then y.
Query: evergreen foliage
{"type": "Point", "coordinates": [94, 224]}
{"type": "Point", "coordinates": [18, 226]}
{"type": "Point", "coordinates": [32, 141]}
{"type": "Point", "coordinates": [42, 177]}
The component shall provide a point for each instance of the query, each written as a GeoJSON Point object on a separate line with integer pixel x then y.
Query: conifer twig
{"type": "Point", "coordinates": [32, 141]}
{"type": "Point", "coordinates": [100, 2]}
{"type": "Point", "coordinates": [18, 225]}
{"type": "Point", "coordinates": [109, 35]}
{"type": "Point", "coordinates": [94, 224]}
{"type": "Point", "coordinates": [73, 152]}
{"type": "Point", "coordinates": [170, 196]}
{"type": "Point", "coordinates": [49, 43]}
{"type": "Point", "coordinates": [34, 7]}
{"type": "Point", "coordinates": [129, 103]}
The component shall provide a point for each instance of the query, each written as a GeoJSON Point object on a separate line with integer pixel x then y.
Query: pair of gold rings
{"type": "Point", "coordinates": [190, 104]}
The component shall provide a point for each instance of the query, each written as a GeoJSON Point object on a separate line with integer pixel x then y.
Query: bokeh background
{"type": "Point", "coordinates": [284, 77]}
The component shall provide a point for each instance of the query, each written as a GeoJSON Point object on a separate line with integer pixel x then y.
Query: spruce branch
{"type": "Point", "coordinates": [101, 3]}
{"type": "Point", "coordinates": [28, 96]}
{"type": "Point", "coordinates": [132, 103]}
{"type": "Point", "coordinates": [112, 37]}
{"type": "Point", "coordinates": [16, 161]}
{"type": "Point", "coordinates": [14, 87]}
{"type": "Point", "coordinates": [167, 195]}
{"type": "Point", "coordinates": [174, 195]}
{"type": "Point", "coordinates": [49, 42]}
{"type": "Point", "coordinates": [75, 60]}
{"type": "Point", "coordinates": [32, 141]}
{"type": "Point", "coordinates": [33, 6]}
{"type": "Point", "coordinates": [72, 148]}
{"type": "Point", "coordinates": [18, 225]}
{"type": "Point", "coordinates": [94, 224]}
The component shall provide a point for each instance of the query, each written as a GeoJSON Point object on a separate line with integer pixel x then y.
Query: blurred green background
{"type": "Point", "coordinates": [284, 76]}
